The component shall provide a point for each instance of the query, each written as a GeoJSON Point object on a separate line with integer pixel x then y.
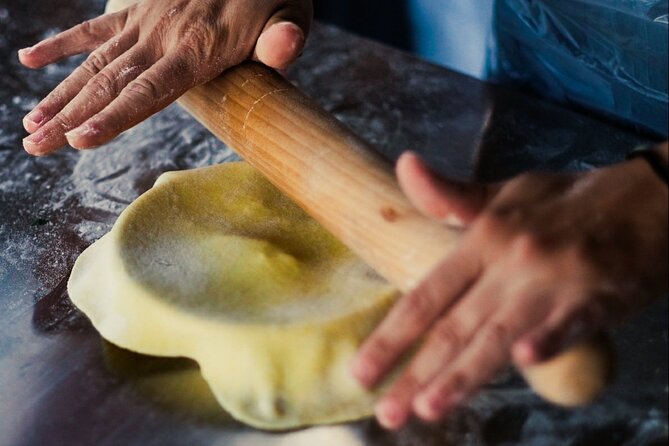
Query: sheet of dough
{"type": "Point", "coordinates": [215, 264]}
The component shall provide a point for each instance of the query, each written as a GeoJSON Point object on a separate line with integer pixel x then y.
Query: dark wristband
{"type": "Point", "coordinates": [653, 158]}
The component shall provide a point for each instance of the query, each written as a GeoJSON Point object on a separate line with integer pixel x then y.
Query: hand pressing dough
{"type": "Point", "coordinates": [215, 264]}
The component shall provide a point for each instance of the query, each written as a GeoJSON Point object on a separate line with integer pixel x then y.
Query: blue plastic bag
{"type": "Point", "coordinates": [603, 55]}
{"type": "Point", "coordinates": [607, 55]}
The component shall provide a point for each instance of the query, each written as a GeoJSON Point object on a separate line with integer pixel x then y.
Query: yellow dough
{"type": "Point", "coordinates": [215, 264]}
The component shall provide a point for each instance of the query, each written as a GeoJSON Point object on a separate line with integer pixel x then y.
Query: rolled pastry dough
{"type": "Point", "coordinates": [215, 264]}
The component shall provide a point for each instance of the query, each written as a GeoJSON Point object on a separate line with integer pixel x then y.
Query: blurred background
{"type": "Point", "coordinates": [609, 56]}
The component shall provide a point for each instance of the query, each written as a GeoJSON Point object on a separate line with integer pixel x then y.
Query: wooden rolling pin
{"type": "Point", "coordinates": [340, 181]}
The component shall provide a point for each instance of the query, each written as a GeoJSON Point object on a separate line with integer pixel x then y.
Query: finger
{"type": "Point", "coordinates": [101, 90]}
{"type": "Point", "coordinates": [562, 328]}
{"type": "Point", "coordinates": [82, 38]}
{"type": "Point", "coordinates": [282, 40]}
{"type": "Point", "coordinates": [449, 201]}
{"type": "Point", "coordinates": [72, 85]}
{"type": "Point", "coordinates": [486, 355]}
{"type": "Point", "coordinates": [449, 390]}
{"type": "Point", "coordinates": [446, 339]}
{"type": "Point", "coordinates": [152, 91]}
{"type": "Point", "coordinates": [413, 314]}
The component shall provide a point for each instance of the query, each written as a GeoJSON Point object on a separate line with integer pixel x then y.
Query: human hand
{"type": "Point", "coordinates": [146, 56]}
{"type": "Point", "coordinates": [546, 260]}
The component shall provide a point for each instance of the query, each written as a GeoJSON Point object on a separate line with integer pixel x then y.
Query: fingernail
{"type": "Point", "coordinates": [74, 133]}
{"type": "Point", "coordinates": [365, 373]}
{"type": "Point", "coordinates": [433, 407]}
{"type": "Point", "coordinates": [428, 408]}
{"type": "Point", "coordinates": [25, 50]}
{"type": "Point", "coordinates": [84, 130]}
{"type": "Point", "coordinates": [35, 117]}
{"type": "Point", "coordinates": [279, 44]}
{"type": "Point", "coordinates": [31, 143]}
{"type": "Point", "coordinates": [290, 25]}
{"type": "Point", "coordinates": [411, 157]}
{"type": "Point", "coordinates": [390, 414]}
{"type": "Point", "coordinates": [524, 353]}
{"type": "Point", "coordinates": [35, 138]}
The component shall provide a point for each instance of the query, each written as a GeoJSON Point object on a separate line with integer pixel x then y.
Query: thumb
{"type": "Point", "coordinates": [452, 202]}
{"type": "Point", "coordinates": [282, 40]}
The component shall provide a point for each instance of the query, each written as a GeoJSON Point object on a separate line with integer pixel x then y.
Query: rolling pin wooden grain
{"type": "Point", "coordinates": [341, 182]}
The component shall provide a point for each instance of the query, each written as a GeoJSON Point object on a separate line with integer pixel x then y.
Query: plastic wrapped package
{"type": "Point", "coordinates": [607, 55]}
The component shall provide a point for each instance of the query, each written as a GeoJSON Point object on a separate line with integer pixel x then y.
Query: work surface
{"type": "Point", "coordinates": [61, 384]}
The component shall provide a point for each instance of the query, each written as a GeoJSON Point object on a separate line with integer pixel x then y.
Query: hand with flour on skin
{"type": "Point", "coordinates": [545, 261]}
{"type": "Point", "coordinates": [146, 56]}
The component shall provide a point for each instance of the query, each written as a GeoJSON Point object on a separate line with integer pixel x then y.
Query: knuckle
{"type": "Point", "coordinates": [499, 334]}
{"type": "Point", "coordinates": [56, 100]}
{"type": "Point", "coordinates": [111, 47]}
{"type": "Point", "coordinates": [405, 386]}
{"type": "Point", "coordinates": [64, 121]}
{"type": "Point", "coordinates": [190, 51]}
{"type": "Point", "coordinates": [95, 63]}
{"type": "Point", "coordinates": [378, 348]}
{"type": "Point", "coordinates": [196, 52]}
{"type": "Point", "coordinates": [86, 27]}
{"type": "Point", "coordinates": [447, 333]}
{"type": "Point", "coordinates": [101, 83]}
{"type": "Point", "coordinates": [457, 382]}
{"type": "Point", "coordinates": [202, 37]}
{"type": "Point", "coordinates": [178, 19]}
{"type": "Point", "coordinates": [144, 87]}
{"type": "Point", "coordinates": [420, 304]}
{"type": "Point", "coordinates": [410, 381]}
{"type": "Point", "coordinates": [199, 37]}
{"type": "Point", "coordinates": [90, 30]}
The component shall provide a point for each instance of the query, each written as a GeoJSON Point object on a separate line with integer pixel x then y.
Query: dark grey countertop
{"type": "Point", "coordinates": [61, 384]}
